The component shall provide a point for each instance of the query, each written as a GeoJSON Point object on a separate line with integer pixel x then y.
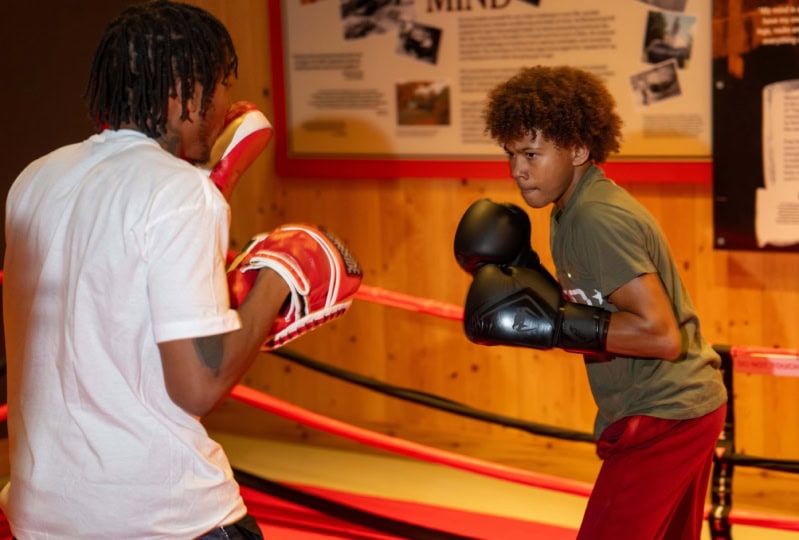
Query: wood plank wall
{"type": "Point", "coordinates": [401, 231]}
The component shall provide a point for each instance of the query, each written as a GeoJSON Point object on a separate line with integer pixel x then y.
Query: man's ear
{"type": "Point", "coordinates": [193, 104]}
{"type": "Point", "coordinates": [580, 155]}
{"type": "Point", "coordinates": [176, 106]}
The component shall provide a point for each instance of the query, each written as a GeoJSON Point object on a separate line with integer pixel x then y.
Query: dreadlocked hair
{"type": "Point", "coordinates": [567, 105]}
{"type": "Point", "coordinates": [149, 52]}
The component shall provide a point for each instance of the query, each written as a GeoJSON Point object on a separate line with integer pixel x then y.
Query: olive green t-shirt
{"type": "Point", "coordinates": [601, 240]}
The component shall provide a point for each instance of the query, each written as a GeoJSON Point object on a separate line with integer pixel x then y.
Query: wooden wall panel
{"type": "Point", "coordinates": [402, 230]}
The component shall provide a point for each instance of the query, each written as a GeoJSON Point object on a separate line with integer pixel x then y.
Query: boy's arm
{"type": "Point", "coordinates": [644, 324]}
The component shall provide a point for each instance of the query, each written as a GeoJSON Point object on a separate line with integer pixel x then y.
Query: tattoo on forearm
{"type": "Point", "coordinates": [210, 350]}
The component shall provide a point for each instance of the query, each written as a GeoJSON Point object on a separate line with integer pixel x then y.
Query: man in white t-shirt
{"type": "Point", "coordinates": [119, 328]}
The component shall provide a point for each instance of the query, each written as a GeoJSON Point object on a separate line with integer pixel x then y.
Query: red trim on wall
{"type": "Point", "coordinates": [622, 172]}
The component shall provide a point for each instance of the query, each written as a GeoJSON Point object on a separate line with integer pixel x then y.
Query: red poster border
{"type": "Point", "coordinates": [671, 171]}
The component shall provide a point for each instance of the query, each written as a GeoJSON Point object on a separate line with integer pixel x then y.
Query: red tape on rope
{"type": "Point", "coordinates": [765, 361]}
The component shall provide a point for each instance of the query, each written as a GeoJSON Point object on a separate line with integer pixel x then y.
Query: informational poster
{"type": "Point", "coordinates": [756, 125]}
{"type": "Point", "coordinates": [398, 87]}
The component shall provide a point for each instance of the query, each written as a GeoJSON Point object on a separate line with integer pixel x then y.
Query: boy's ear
{"type": "Point", "coordinates": [580, 155]}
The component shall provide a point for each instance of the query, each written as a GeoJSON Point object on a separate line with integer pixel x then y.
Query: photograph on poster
{"type": "Point", "coordinates": [671, 5]}
{"type": "Point", "coordinates": [423, 103]}
{"type": "Point", "coordinates": [362, 18]}
{"type": "Point", "coordinates": [756, 126]}
{"type": "Point", "coordinates": [656, 84]}
{"type": "Point", "coordinates": [419, 41]}
{"type": "Point", "coordinates": [668, 35]}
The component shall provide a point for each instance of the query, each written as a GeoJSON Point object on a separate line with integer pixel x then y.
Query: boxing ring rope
{"type": "Point", "coordinates": [408, 302]}
{"type": "Point", "coordinates": [751, 360]}
{"type": "Point", "coordinates": [762, 360]}
{"type": "Point", "coordinates": [431, 400]}
{"type": "Point", "coordinates": [719, 514]}
{"type": "Point", "coordinates": [403, 447]}
{"type": "Point", "coordinates": [320, 422]}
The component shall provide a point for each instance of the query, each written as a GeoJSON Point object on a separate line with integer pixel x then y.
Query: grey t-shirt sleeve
{"type": "Point", "coordinates": [612, 244]}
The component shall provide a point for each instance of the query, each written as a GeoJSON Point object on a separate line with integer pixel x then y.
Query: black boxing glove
{"type": "Point", "coordinates": [521, 307]}
{"type": "Point", "coordinates": [492, 233]}
{"type": "Point", "coordinates": [496, 233]}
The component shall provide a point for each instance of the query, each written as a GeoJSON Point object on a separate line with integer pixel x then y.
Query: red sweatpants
{"type": "Point", "coordinates": [653, 481]}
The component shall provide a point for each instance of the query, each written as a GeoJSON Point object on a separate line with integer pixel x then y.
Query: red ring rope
{"type": "Point", "coordinates": [433, 455]}
{"type": "Point", "coordinates": [411, 303]}
{"type": "Point", "coordinates": [403, 447]}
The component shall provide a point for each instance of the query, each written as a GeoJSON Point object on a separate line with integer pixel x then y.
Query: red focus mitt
{"type": "Point", "coordinates": [322, 274]}
{"type": "Point", "coordinates": [246, 133]}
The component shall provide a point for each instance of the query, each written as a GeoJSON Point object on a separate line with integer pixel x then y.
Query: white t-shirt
{"type": "Point", "coordinates": [113, 245]}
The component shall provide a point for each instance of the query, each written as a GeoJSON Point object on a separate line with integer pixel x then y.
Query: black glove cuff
{"type": "Point", "coordinates": [584, 328]}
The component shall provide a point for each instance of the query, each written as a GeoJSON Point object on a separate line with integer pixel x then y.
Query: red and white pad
{"type": "Point", "coordinates": [322, 274]}
{"type": "Point", "coordinates": [246, 134]}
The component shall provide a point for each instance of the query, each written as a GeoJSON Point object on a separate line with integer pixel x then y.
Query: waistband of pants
{"type": "Point", "coordinates": [244, 529]}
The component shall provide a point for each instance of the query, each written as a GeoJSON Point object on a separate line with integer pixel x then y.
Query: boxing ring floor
{"type": "Point", "coordinates": [357, 495]}
{"type": "Point", "coordinates": [451, 503]}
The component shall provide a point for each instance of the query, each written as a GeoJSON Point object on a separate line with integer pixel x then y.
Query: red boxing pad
{"type": "Point", "coordinates": [246, 134]}
{"type": "Point", "coordinates": [322, 274]}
